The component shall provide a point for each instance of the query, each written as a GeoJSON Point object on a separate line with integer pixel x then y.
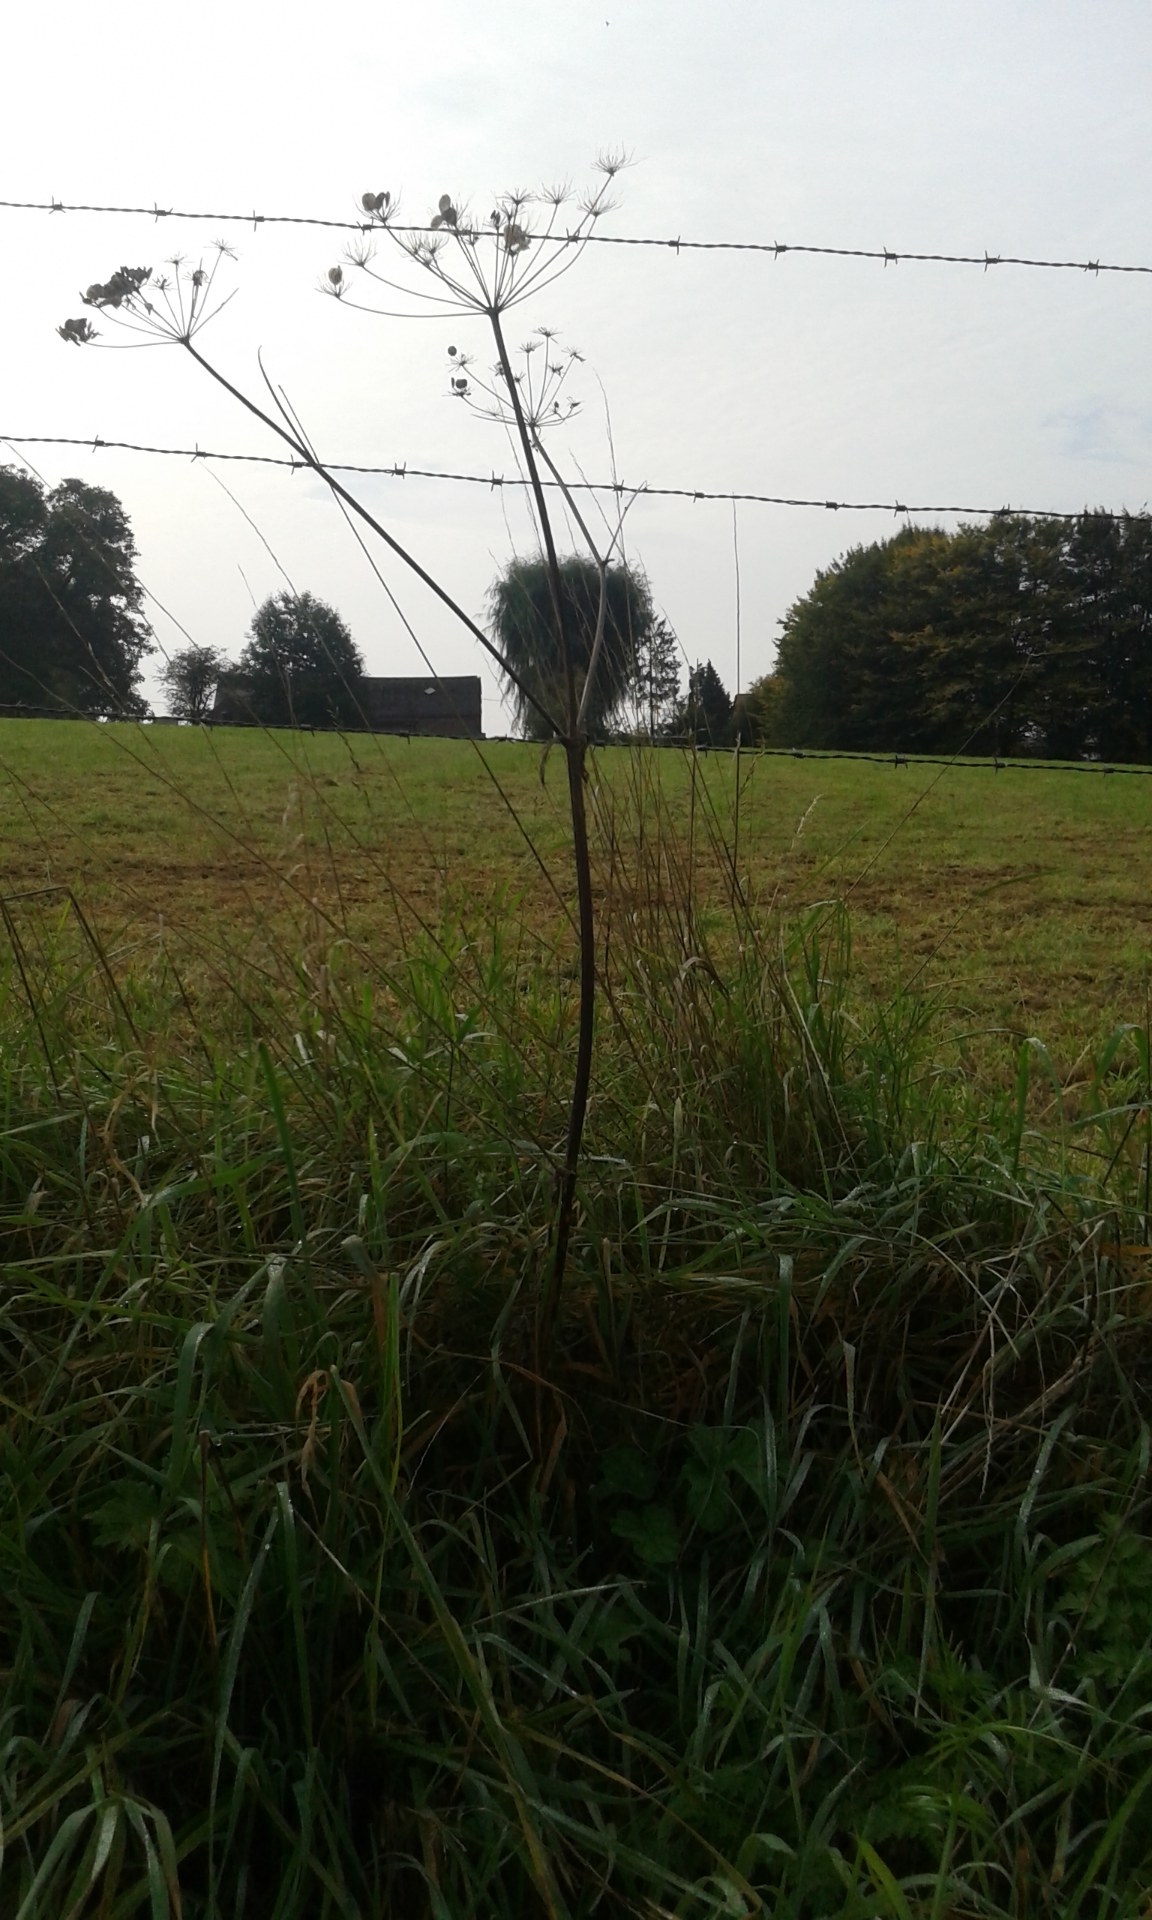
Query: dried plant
{"type": "Point", "coordinates": [453, 265]}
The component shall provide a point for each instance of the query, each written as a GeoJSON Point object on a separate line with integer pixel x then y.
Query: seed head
{"type": "Point", "coordinates": [77, 332]}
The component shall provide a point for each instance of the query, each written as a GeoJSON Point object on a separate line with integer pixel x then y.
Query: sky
{"type": "Point", "coordinates": [961, 126]}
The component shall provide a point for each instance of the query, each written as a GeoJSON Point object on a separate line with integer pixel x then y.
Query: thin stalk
{"type": "Point", "coordinates": [575, 749]}
{"type": "Point", "coordinates": [601, 562]}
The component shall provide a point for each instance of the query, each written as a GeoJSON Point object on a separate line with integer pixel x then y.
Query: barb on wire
{"type": "Point", "coordinates": [401, 470]}
{"type": "Point", "coordinates": [775, 249]}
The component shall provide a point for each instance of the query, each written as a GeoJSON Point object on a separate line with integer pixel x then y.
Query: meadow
{"type": "Point", "coordinates": [1022, 896]}
{"type": "Point", "coordinates": [807, 1572]}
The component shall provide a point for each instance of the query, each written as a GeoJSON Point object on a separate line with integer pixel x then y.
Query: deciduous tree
{"type": "Point", "coordinates": [302, 668]}
{"type": "Point", "coordinates": [72, 633]}
{"type": "Point", "coordinates": [1021, 635]}
{"type": "Point", "coordinates": [189, 680]}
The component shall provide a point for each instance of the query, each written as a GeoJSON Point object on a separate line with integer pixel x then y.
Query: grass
{"type": "Point", "coordinates": [811, 1576]}
{"type": "Point", "coordinates": [1022, 896]}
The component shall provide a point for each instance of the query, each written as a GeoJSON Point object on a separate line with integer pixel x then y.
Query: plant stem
{"type": "Point", "coordinates": [575, 750]}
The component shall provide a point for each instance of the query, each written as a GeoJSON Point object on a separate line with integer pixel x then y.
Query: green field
{"type": "Point", "coordinates": [1024, 897]}
{"type": "Point", "coordinates": [807, 1572]}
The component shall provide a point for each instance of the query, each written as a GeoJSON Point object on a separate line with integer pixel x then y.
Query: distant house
{"type": "Point", "coordinates": [448, 707]}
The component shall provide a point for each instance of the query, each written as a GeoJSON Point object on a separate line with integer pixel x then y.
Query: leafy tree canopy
{"type": "Point", "coordinates": [72, 633]}
{"type": "Point", "coordinates": [706, 715]}
{"type": "Point", "coordinates": [301, 667]}
{"type": "Point", "coordinates": [1019, 636]}
{"type": "Point", "coordinates": [189, 680]}
{"type": "Point", "coordinates": [525, 630]}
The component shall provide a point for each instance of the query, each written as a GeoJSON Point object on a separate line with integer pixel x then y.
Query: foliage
{"type": "Point", "coordinates": [760, 710]}
{"type": "Point", "coordinates": [525, 629]}
{"type": "Point", "coordinates": [706, 714]}
{"type": "Point", "coordinates": [656, 687]}
{"type": "Point", "coordinates": [189, 679]}
{"type": "Point", "coordinates": [72, 634]}
{"type": "Point", "coordinates": [1017, 636]}
{"type": "Point", "coordinates": [301, 667]}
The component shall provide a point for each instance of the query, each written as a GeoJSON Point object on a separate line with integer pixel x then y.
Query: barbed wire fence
{"type": "Point", "coordinates": [775, 249]}
{"type": "Point", "coordinates": [940, 763]}
{"type": "Point", "coordinates": [493, 481]}
{"type": "Point", "coordinates": [643, 489]}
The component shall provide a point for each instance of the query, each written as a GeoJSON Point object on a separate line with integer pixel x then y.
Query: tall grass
{"type": "Point", "coordinates": [812, 1578]}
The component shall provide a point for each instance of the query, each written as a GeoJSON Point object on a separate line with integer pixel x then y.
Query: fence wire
{"type": "Point", "coordinates": [775, 249]}
{"type": "Point", "coordinates": [941, 763]}
{"type": "Point", "coordinates": [401, 470]}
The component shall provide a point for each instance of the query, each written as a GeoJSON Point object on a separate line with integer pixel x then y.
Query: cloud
{"type": "Point", "coordinates": [1105, 431]}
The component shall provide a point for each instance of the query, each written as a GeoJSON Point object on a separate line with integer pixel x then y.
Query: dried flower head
{"type": "Point", "coordinates": [539, 397]}
{"type": "Point", "coordinates": [481, 266]}
{"type": "Point", "coordinates": [447, 215]}
{"type": "Point", "coordinates": [77, 332]}
{"type": "Point", "coordinates": [124, 285]}
{"type": "Point", "coordinates": [180, 305]}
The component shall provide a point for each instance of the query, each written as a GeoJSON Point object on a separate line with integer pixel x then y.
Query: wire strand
{"type": "Point", "coordinates": [401, 470]}
{"type": "Point", "coordinates": [23, 711]}
{"type": "Point", "coordinates": [776, 249]}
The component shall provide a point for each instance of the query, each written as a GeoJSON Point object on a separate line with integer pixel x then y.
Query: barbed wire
{"type": "Point", "coordinates": [942, 763]}
{"type": "Point", "coordinates": [776, 249]}
{"type": "Point", "coordinates": [400, 470]}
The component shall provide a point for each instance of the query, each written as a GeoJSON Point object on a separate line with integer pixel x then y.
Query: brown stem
{"type": "Point", "coordinates": [575, 749]}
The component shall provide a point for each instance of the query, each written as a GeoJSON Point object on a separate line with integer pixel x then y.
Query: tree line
{"type": "Point", "coordinates": [1020, 636]}
{"type": "Point", "coordinates": [301, 666]}
{"type": "Point", "coordinates": [74, 637]}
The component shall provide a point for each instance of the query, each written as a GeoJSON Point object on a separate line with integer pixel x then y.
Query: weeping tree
{"type": "Point", "coordinates": [524, 626]}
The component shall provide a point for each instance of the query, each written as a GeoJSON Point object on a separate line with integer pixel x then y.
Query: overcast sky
{"type": "Point", "coordinates": [1012, 126]}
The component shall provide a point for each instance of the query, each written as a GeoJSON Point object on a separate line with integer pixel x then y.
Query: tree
{"type": "Point", "coordinates": [72, 633]}
{"type": "Point", "coordinates": [301, 667]}
{"type": "Point", "coordinates": [524, 627]}
{"type": "Point", "coordinates": [189, 679]}
{"type": "Point", "coordinates": [1021, 635]}
{"type": "Point", "coordinates": [760, 709]}
{"type": "Point", "coordinates": [657, 681]}
{"type": "Point", "coordinates": [705, 715]}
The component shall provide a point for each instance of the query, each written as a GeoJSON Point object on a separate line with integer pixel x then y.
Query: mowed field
{"type": "Point", "coordinates": [1021, 898]}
